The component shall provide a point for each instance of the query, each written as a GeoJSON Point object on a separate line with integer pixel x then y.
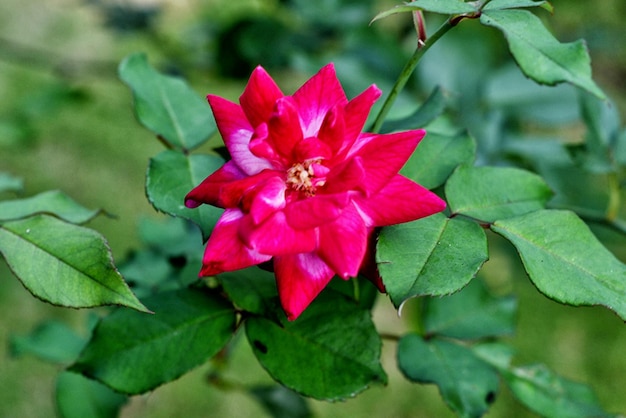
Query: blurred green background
{"type": "Point", "coordinates": [66, 123]}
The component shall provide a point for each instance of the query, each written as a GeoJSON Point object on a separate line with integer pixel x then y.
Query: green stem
{"type": "Point", "coordinates": [407, 71]}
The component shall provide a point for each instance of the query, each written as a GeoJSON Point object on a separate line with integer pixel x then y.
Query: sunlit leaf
{"type": "Point", "coordinates": [51, 340]}
{"type": "Point", "coordinates": [471, 313]}
{"type": "Point", "coordinates": [437, 156]}
{"type": "Point", "coordinates": [491, 193]}
{"type": "Point", "coordinates": [514, 4]}
{"type": "Point", "coordinates": [332, 351]}
{"type": "Point", "coordinates": [539, 55]}
{"type": "Point", "coordinates": [64, 264]}
{"type": "Point", "coordinates": [467, 384]}
{"type": "Point", "coordinates": [565, 260]}
{"type": "Point", "coordinates": [432, 256]}
{"type": "Point", "coordinates": [166, 105]}
{"type": "Point", "coordinates": [52, 202]}
{"type": "Point", "coordinates": [80, 397]}
{"type": "Point", "coordinates": [133, 352]}
{"type": "Point", "coordinates": [171, 175]}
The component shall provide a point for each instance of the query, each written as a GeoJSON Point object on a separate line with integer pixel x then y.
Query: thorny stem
{"type": "Point", "coordinates": [408, 69]}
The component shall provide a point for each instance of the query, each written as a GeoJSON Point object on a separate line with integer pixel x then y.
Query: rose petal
{"type": "Point", "coordinates": [236, 132]}
{"type": "Point", "coordinates": [347, 176]}
{"type": "Point", "coordinates": [332, 131]}
{"type": "Point", "coordinates": [316, 97]}
{"type": "Point", "coordinates": [401, 200]}
{"type": "Point", "coordinates": [259, 97]}
{"type": "Point", "coordinates": [274, 236]}
{"type": "Point", "coordinates": [315, 211]}
{"type": "Point", "coordinates": [285, 131]}
{"type": "Point", "coordinates": [209, 190]}
{"type": "Point", "coordinates": [231, 194]}
{"type": "Point", "coordinates": [265, 199]}
{"type": "Point", "coordinates": [356, 113]}
{"type": "Point", "coordinates": [225, 251]}
{"type": "Point", "coordinates": [342, 243]}
{"type": "Point", "coordinates": [300, 278]}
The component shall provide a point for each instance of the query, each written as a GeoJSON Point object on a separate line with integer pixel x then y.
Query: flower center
{"type": "Point", "coordinates": [301, 177]}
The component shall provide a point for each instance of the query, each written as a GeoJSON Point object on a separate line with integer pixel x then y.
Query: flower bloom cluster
{"type": "Point", "coordinates": [305, 188]}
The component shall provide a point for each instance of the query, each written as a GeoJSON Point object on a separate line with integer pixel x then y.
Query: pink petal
{"type": "Point", "coordinates": [349, 175]}
{"type": "Point", "coordinates": [300, 278]}
{"type": "Point", "coordinates": [401, 200]}
{"type": "Point", "coordinates": [275, 236]}
{"type": "Point", "coordinates": [259, 97]}
{"type": "Point", "coordinates": [285, 131]}
{"type": "Point", "coordinates": [231, 194]}
{"type": "Point", "coordinates": [357, 111]}
{"type": "Point", "coordinates": [236, 132]}
{"type": "Point", "coordinates": [312, 149]}
{"type": "Point", "coordinates": [225, 251]}
{"type": "Point", "coordinates": [265, 199]}
{"type": "Point", "coordinates": [315, 211]}
{"type": "Point", "coordinates": [316, 97]}
{"type": "Point", "coordinates": [209, 190]}
{"type": "Point", "coordinates": [342, 243]}
{"type": "Point", "coordinates": [332, 131]}
{"type": "Point", "coordinates": [384, 155]}
{"type": "Point", "coordinates": [369, 268]}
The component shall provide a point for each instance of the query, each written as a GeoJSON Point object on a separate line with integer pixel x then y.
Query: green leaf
{"type": "Point", "coordinates": [467, 384]}
{"type": "Point", "coordinates": [550, 395]}
{"type": "Point", "coordinates": [171, 175]}
{"type": "Point", "coordinates": [539, 55]}
{"type": "Point", "coordinates": [166, 105]}
{"type": "Point", "coordinates": [251, 289]}
{"type": "Point", "coordinates": [134, 353]}
{"type": "Point", "coordinates": [603, 125]}
{"type": "Point", "coordinates": [52, 341]}
{"type": "Point", "coordinates": [492, 193]}
{"type": "Point", "coordinates": [53, 202]}
{"type": "Point", "coordinates": [431, 256]}
{"type": "Point", "coordinates": [514, 4]}
{"type": "Point", "coordinates": [64, 264]}
{"type": "Point", "coordinates": [79, 397]}
{"type": "Point", "coordinates": [472, 313]}
{"type": "Point", "coordinates": [437, 156]}
{"type": "Point", "coordinates": [565, 260]}
{"type": "Point", "coordinates": [432, 108]}
{"type": "Point", "coordinates": [448, 7]}
{"type": "Point", "coordinates": [281, 402]}
{"type": "Point", "coordinates": [331, 352]}
{"type": "Point", "coordinates": [9, 183]}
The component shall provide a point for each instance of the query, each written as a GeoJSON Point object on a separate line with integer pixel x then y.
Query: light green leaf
{"type": "Point", "coordinates": [472, 313]}
{"type": "Point", "coordinates": [53, 202]}
{"type": "Point", "coordinates": [437, 156]}
{"type": "Point", "coordinates": [79, 397]}
{"type": "Point", "coordinates": [9, 183]}
{"type": "Point", "coordinates": [331, 352]}
{"type": "Point", "coordinates": [514, 4]}
{"type": "Point", "coordinates": [51, 340]}
{"type": "Point", "coordinates": [166, 105]}
{"type": "Point", "coordinates": [431, 256]}
{"type": "Point", "coordinates": [551, 395]}
{"type": "Point", "coordinates": [449, 7]}
{"type": "Point", "coordinates": [64, 264]}
{"type": "Point", "coordinates": [539, 55]}
{"type": "Point", "coordinates": [565, 260]}
{"type": "Point", "coordinates": [134, 353]}
{"type": "Point", "coordinates": [467, 384]}
{"type": "Point", "coordinates": [171, 175]}
{"type": "Point", "coordinates": [492, 193]}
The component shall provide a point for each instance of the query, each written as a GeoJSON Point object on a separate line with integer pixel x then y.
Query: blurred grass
{"type": "Point", "coordinates": [71, 127]}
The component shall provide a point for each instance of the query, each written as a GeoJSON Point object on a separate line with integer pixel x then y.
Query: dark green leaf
{"type": "Point", "coordinates": [565, 260]}
{"type": "Point", "coordinates": [539, 55]}
{"type": "Point", "coordinates": [620, 148]}
{"type": "Point", "coordinates": [470, 314]}
{"type": "Point", "coordinates": [437, 156]}
{"type": "Point", "coordinates": [53, 202]}
{"type": "Point", "coordinates": [52, 341]}
{"type": "Point", "coordinates": [166, 105]}
{"type": "Point", "coordinates": [448, 7]}
{"type": "Point", "coordinates": [251, 289]}
{"type": "Point", "coordinates": [171, 175]}
{"type": "Point", "coordinates": [431, 256]}
{"type": "Point", "coordinates": [432, 108]}
{"type": "Point", "coordinates": [513, 4]}
{"type": "Point", "coordinates": [64, 264]}
{"type": "Point", "coordinates": [492, 193]}
{"type": "Point", "coordinates": [332, 351]}
{"type": "Point", "coordinates": [9, 183]}
{"type": "Point", "coordinates": [79, 397]}
{"type": "Point", "coordinates": [550, 395]}
{"type": "Point", "coordinates": [281, 402]}
{"type": "Point", "coordinates": [467, 384]}
{"type": "Point", "coordinates": [133, 352]}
